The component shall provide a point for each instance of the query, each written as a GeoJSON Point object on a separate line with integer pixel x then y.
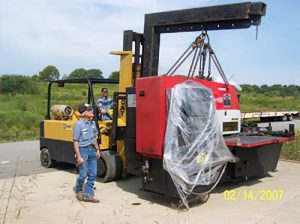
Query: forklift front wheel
{"type": "Point", "coordinates": [45, 158]}
{"type": "Point", "coordinates": [109, 166]}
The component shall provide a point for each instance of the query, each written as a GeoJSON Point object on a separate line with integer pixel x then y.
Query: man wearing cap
{"type": "Point", "coordinates": [87, 152]}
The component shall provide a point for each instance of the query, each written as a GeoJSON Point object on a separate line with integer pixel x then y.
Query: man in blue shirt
{"type": "Point", "coordinates": [104, 103]}
{"type": "Point", "coordinates": [87, 152]}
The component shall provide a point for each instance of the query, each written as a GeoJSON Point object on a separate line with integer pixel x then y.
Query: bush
{"type": "Point", "coordinates": [17, 84]}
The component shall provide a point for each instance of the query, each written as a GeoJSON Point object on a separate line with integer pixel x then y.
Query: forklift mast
{"type": "Point", "coordinates": [221, 17]}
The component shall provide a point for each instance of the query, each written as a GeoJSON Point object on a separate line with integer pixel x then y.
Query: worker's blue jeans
{"type": "Point", "coordinates": [88, 169]}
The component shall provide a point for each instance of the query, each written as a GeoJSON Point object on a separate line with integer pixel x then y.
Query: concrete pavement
{"type": "Point", "coordinates": [49, 198]}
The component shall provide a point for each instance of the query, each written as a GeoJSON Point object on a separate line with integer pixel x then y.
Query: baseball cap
{"type": "Point", "coordinates": [84, 107]}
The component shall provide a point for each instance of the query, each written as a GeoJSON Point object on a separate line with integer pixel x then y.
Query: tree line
{"type": "Point", "coordinates": [274, 90]}
{"type": "Point", "coordinates": [51, 73]}
{"type": "Point", "coordinates": [21, 84]}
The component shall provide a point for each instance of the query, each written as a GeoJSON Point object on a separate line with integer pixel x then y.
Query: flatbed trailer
{"type": "Point", "coordinates": [271, 115]}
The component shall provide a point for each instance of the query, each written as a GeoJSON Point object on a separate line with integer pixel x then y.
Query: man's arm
{"type": "Point", "coordinates": [110, 101]}
{"type": "Point", "coordinates": [76, 135]}
{"type": "Point", "coordinates": [96, 146]}
{"type": "Point", "coordinates": [98, 154]}
{"type": "Point", "coordinates": [77, 153]}
{"type": "Point", "coordinates": [96, 142]}
{"type": "Point", "coordinates": [99, 105]}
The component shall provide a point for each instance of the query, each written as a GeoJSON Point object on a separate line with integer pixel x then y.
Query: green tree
{"type": "Point", "coordinates": [247, 88]}
{"type": "Point", "coordinates": [291, 90]}
{"type": "Point", "coordinates": [82, 73]}
{"type": "Point", "coordinates": [78, 73]}
{"type": "Point", "coordinates": [94, 73]}
{"type": "Point", "coordinates": [264, 89]}
{"type": "Point", "coordinates": [17, 84]}
{"type": "Point", "coordinates": [49, 73]}
{"type": "Point", "coordinates": [114, 75]}
{"type": "Point", "coordinates": [65, 76]}
{"type": "Point", "coordinates": [35, 77]}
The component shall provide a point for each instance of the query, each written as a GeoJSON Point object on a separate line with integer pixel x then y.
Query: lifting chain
{"type": "Point", "coordinates": [202, 52]}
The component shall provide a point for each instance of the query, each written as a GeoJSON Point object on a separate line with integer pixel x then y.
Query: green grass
{"type": "Point", "coordinates": [20, 115]}
{"type": "Point", "coordinates": [291, 150]}
{"type": "Point", "coordinates": [266, 102]}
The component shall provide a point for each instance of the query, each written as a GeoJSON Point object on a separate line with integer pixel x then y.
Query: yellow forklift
{"type": "Point", "coordinates": [56, 131]}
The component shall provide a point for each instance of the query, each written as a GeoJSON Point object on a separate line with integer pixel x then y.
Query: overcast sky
{"type": "Point", "coordinates": [74, 34]}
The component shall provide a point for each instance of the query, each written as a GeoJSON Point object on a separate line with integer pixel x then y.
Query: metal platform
{"type": "Point", "coordinates": [248, 141]}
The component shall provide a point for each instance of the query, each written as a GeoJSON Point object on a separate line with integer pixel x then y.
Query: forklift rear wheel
{"type": "Point", "coordinates": [109, 167]}
{"type": "Point", "coordinates": [45, 158]}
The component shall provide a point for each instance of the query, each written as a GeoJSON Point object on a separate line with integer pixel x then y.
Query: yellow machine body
{"type": "Point", "coordinates": [57, 135]}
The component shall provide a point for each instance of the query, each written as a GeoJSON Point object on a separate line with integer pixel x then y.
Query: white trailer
{"type": "Point", "coordinates": [271, 115]}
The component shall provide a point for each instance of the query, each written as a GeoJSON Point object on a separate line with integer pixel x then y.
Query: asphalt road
{"type": "Point", "coordinates": [23, 159]}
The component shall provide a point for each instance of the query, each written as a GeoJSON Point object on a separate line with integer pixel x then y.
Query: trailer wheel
{"type": "Point", "coordinates": [45, 158]}
{"type": "Point", "coordinates": [290, 117]}
{"type": "Point", "coordinates": [109, 166]}
{"type": "Point", "coordinates": [284, 118]}
{"type": "Point", "coordinates": [263, 119]}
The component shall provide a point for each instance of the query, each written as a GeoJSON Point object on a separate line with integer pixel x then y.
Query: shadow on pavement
{"type": "Point", "coordinates": [133, 184]}
{"type": "Point", "coordinates": [71, 168]}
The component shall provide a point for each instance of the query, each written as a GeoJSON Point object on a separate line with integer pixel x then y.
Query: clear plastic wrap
{"type": "Point", "coordinates": [195, 152]}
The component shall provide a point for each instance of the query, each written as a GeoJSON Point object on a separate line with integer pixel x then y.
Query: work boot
{"type": "Point", "coordinates": [91, 199]}
{"type": "Point", "coordinates": [79, 196]}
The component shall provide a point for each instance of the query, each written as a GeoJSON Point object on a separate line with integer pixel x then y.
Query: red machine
{"type": "Point", "coordinates": [151, 110]}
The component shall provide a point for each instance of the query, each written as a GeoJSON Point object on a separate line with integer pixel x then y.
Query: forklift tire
{"type": "Point", "coordinates": [109, 166]}
{"type": "Point", "coordinates": [45, 158]}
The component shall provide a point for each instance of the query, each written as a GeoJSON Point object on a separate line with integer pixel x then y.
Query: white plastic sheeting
{"type": "Point", "coordinates": [194, 152]}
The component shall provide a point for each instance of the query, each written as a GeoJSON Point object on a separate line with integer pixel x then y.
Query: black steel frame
{"type": "Point", "coordinates": [117, 133]}
{"type": "Point", "coordinates": [131, 38]}
{"type": "Point", "coordinates": [231, 16]}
